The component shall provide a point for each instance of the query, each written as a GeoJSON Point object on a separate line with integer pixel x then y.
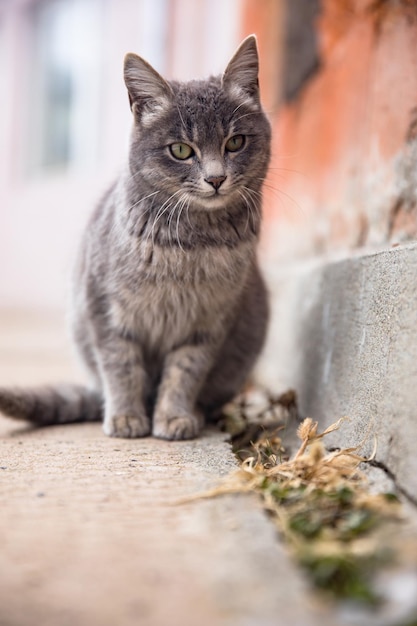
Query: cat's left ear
{"type": "Point", "coordinates": [243, 69]}
{"type": "Point", "coordinates": [145, 86]}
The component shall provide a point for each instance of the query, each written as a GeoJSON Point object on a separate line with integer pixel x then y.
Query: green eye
{"type": "Point", "coordinates": [235, 143]}
{"type": "Point", "coordinates": [181, 151]}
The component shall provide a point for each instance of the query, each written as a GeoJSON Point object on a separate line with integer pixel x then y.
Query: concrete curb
{"type": "Point", "coordinates": [344, 335]}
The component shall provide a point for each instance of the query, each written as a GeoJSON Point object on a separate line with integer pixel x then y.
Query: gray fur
{"type": "Point", "coordinates": [169, 309]}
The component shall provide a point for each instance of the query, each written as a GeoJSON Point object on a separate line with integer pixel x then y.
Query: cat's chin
{"type": "Point", "coordinates": [212, 202]}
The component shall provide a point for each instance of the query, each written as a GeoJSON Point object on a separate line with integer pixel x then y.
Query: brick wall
{"type": "Point", "coordinates": [344, 170]}
{"type": "Point", "coordinates": [343, 185]}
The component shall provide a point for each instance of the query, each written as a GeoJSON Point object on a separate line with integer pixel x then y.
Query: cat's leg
{"type": "Point", "coordinates": [175, 413]}
{"type": "Point", "coordinates": [237, 356]}
{"type": "Point", "coordinates": [125, 382]}
{"type": "Point", "coordinates": [227, 377]}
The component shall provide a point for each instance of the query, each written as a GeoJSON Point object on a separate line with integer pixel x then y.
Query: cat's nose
{"type": "Point", "coordinates": [215, 181]}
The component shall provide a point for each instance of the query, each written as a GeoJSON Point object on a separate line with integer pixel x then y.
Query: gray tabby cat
{"type": "Point", "coordinates": [169, 308]}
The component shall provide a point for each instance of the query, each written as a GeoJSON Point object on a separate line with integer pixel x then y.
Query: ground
{"type": "Point", "coordinates": [94, 533]}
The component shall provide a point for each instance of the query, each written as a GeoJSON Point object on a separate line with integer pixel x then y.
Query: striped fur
{"type": "Point", "coordinates": [169, 309]}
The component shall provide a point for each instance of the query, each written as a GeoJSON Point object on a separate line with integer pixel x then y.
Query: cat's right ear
{"type": "Point", "coordinates": [242, 71]}
{"type": "Point", "coordinates": [144, 85]}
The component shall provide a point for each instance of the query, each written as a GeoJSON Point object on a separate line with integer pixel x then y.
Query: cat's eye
{"type": "Point", "coordinates": [181, 151]}
{"type": "Point", "coordinates": [235, 143]}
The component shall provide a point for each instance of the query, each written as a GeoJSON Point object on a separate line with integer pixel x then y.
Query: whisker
{"type": "Point", "coordinates": [171, 215]}
{"type": "Point", "coordinates": [237, 108]}
{"type": "Point", "coordinates": [154, 193]}
{"type": "Point", "coordinates": [279, 194]}
{"type": "Point", "coordinates": [188, 215]}
{"type": "Point", "coordinates": [257, 194]}
{"type": "Point", "coordinates": [245, 115]}
{"type": "Point", "coordinates": [183, 201]}
{"type": "Point", "coordinates": [242, 195]}
{"type": "Point", "coordinates": [182, 119]}
{"type": "Point", "coordinates": [251, 206]}
{"type": "Point", "coordinates": [162, 209]}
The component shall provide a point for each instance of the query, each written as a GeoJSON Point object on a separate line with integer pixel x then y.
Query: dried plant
{"type": "Point", "coordinates": [322, 504]}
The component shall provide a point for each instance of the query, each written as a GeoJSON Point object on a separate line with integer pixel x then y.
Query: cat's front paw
{"type": "Point", "coordinates": [127, 426]}
{"type": "Point", "coordinates": [177, 427]}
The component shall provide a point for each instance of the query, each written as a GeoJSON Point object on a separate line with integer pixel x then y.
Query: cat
{"type": "Point", "coordinates": [169, 309]}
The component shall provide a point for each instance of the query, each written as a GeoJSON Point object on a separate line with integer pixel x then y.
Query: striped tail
{"type": "Point", "coordinates": [44, 406]}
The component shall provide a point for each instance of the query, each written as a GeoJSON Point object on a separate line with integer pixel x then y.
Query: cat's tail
{"type": "Point", "coordinates": [44, 406]}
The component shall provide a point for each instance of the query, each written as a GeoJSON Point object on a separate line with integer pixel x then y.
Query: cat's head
{"type": "Point", "coordinates": [206, 141]}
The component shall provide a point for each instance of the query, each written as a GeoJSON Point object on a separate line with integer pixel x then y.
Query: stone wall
{"type": "Point", "coordinates": [344, 172]}
{"type": "Point", "coordinates": [339, 247]}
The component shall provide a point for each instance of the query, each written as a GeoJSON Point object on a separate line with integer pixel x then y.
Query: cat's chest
{"type": "Point", "coordinates": [172, 293]}
{"type": "Point", "coordinates": [202, 268]}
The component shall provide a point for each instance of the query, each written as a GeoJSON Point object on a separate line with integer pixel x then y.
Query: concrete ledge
{"type": "Point", "coordinates": [90, 536]}
{"type": "Point", "coordinates": [344, 335]}
{"type": "Point", "coordinates": [88, 532]}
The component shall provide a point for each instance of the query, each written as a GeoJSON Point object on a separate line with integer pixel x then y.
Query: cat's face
{"type": "Point", "coordinates": [205, 143]}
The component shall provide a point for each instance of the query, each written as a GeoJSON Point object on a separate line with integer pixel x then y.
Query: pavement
{"type": "Point", "coordinates": [93, 533]}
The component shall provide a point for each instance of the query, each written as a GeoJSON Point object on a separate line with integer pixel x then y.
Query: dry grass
{"type": "Point", "coordinates": [320, 500]}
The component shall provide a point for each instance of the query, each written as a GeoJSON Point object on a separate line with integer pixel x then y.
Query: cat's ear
{"type": "Point", "coordinates": [243, 69]}
{"type": "Point", "coordinates": [144, 85]}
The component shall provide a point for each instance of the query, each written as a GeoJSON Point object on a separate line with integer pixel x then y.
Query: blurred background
{"type": "Point", "coordinates": [65, 117]}
{"type": "Point", "coordinates": [338, 80]}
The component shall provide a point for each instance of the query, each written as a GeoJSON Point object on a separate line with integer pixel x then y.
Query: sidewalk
{"type": "Point", "coordinates": [92, 534]}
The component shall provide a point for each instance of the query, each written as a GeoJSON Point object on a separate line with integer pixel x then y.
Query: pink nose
{"type": "Point", "coordinates": [216, 181]}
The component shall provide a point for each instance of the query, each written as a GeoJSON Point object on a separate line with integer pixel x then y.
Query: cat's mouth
{"type": "Point", "coordinates": [205, 200]}
{"type": "Point", "coordinates": [213, 200]}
